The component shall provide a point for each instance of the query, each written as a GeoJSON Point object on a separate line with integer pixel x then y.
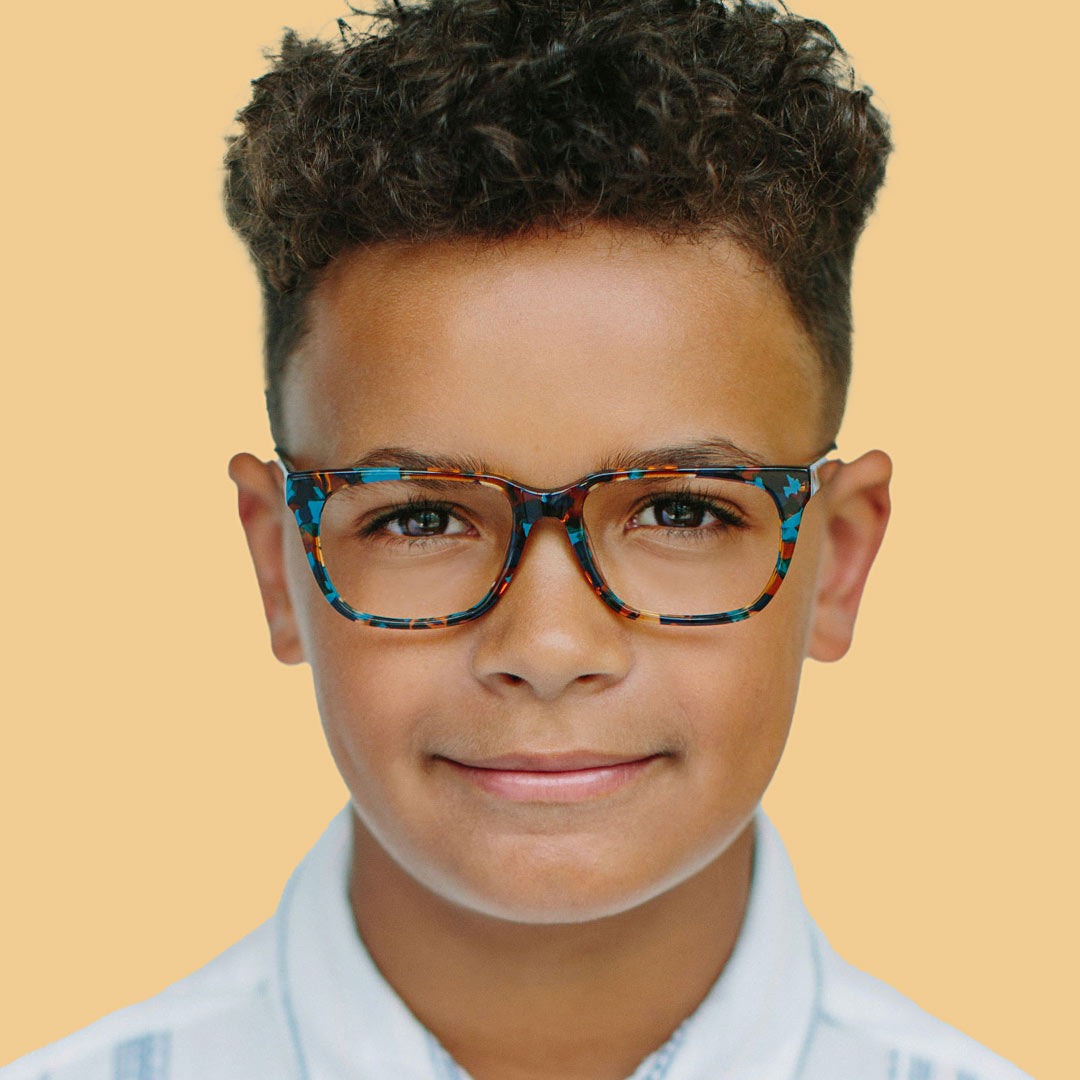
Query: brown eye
{"type": "Point", "coordinates": [418, 521]}
{"type": "Point", "coordinates": [426, 522]}
{"type": "Point", "coordinates": [678, 513]}
{"type": "Point", "coordinates": [685, 513]}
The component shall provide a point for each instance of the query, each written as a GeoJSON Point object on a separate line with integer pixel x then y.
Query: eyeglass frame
{"type": "Point", "coordinates": [790, 487]}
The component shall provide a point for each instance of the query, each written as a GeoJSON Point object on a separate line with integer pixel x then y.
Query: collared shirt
{"type": "Point", "coordinates": [301, 999]}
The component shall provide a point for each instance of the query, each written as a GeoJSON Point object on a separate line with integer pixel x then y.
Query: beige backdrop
{"type": "Point", "coordinates": [161, 774]}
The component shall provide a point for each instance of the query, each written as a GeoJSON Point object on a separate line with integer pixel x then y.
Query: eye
{"type": "Point", "coordinates": [418, 521]}
{"type": "Point", "coordinates": [685, 512]}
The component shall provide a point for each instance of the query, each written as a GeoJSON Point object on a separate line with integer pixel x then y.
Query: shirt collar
{"type": "Point", "coordinates": [346, 1020]}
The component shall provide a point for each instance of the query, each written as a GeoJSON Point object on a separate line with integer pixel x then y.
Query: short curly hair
{"type": "Point", "coordinates": [494, 118]}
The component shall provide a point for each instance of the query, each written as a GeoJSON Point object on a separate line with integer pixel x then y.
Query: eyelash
{"type": "Point", "coordinates": [724, 514]}
{"type": "Point", "coordinates": [404, 511]}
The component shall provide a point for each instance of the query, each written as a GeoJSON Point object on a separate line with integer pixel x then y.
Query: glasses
{"type": "Point", "coordinates": [413, 549]}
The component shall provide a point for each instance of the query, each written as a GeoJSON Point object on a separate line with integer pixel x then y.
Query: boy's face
{"type": "Point", "coordinates": [543, 357]}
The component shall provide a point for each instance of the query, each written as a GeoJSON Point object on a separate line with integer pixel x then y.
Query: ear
{"type": "Point", "coordinates": [260, 500]}
{"type": "Point", "coordinates": [856, 497]}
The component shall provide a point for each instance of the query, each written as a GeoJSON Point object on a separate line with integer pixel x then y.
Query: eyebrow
{"type": "Point", "coordinates": [716, 452]}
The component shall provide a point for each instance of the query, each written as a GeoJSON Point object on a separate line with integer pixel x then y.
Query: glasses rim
{"type": "Point", "coordinates": [790, 487]}
{"type": "Point", "coordinates": [373, 473]}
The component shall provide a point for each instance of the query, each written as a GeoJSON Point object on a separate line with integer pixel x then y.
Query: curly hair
{"type": "Point", "coordinates": [492, 118]}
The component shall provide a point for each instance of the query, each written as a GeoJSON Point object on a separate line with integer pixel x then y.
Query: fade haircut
{"type": "Point", "coordinates": [491, 119]}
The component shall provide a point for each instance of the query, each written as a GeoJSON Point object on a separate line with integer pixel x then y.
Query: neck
{"type": "Point", "coordinates": [522, 1001]}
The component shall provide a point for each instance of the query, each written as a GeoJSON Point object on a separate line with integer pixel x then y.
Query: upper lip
{"type": "Point", "coordinates": [560, 762]}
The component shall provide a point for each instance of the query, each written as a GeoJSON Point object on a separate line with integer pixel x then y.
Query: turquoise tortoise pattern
{"type": "Point", "coordinates": [306, 492]}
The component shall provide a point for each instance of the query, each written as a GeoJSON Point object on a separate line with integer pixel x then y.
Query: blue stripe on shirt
{"type": "Point", "coordinates": [145, 1058]}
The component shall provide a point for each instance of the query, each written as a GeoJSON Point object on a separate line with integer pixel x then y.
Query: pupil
{"type": "Point", "coordinates": [680, 513]}
{"type": "Point", "coordinates": [426, 522]}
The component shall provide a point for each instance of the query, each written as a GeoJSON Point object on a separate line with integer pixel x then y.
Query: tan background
{"type": "Point", "coordinates": [160, 774]}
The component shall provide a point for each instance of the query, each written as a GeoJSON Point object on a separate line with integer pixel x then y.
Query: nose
{"type": "Point", "coordinates": [550, 633]}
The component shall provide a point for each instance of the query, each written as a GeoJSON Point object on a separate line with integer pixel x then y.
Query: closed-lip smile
{"type": "Point", "coordinates": [570, 776]}
{"type": "Point", "coordinates": [565, 761]}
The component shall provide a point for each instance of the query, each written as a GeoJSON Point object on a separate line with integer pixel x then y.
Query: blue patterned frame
{"type": "Point", "coordinates": [306, 492]}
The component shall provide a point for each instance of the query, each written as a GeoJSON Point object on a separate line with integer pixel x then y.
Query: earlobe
{"type": "Point", "coordinates": [857, 512]}
{"type": "Point", "coordinates": [259, 500]}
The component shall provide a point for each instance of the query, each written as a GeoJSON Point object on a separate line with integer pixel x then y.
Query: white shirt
{"type": "Point", "coordinates": [299, 998]}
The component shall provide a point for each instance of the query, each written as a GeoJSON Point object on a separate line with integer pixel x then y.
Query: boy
{"type": "Point", "coordinates": [557, 332]}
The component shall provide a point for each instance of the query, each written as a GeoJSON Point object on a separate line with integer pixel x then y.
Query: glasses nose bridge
{"type": "Point", "coordinates": [562, 505]}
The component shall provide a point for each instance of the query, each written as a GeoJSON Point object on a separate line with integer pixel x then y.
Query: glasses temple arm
{"type": "Point", "coordinates": [282, 461]}
{"type": "Point", "coordinates": [815, 479]}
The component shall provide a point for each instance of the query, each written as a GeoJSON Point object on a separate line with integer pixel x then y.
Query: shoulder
{"type": "Point", "coordinates": [229, 1004]}
{"type": "Point", "coordinates": [865, 1027]}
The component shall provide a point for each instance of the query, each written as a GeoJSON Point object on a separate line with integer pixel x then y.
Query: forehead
{"type": "Point", "coordinates": [542, 355]}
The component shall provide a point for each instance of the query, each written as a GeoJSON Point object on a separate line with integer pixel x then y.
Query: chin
{"type": "Point", "coordinates": [541, 907]}
{"type": "Point", "coordinates": [565, 891]}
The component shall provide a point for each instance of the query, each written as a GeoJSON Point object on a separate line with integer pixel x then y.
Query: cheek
{"type": "Point", "coordinates": [737, 696]}
{"type": "Point", "coordinates": [374, 692]}
{"type": "Point", "coordinates": [371, 684]}
{"type": "Point", "coordinates": [737, 687]}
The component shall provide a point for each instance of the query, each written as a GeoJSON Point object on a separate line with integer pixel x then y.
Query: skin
{"type": "Point", "coordinates": [572, 938]}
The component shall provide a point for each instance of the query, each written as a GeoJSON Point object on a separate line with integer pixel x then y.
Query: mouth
{"type": "Point", "coordinates": [553, 778]}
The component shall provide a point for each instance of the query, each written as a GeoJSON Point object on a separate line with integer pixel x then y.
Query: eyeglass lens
{"type": "Point", "coordinates": [428, 547]}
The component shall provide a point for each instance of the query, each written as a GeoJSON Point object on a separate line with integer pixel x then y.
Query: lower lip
{"type": "Point", "coordinates": [553, 787]}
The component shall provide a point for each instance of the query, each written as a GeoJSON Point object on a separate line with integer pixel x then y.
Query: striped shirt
{"type": "Point", "coordinates": [299, 998]}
